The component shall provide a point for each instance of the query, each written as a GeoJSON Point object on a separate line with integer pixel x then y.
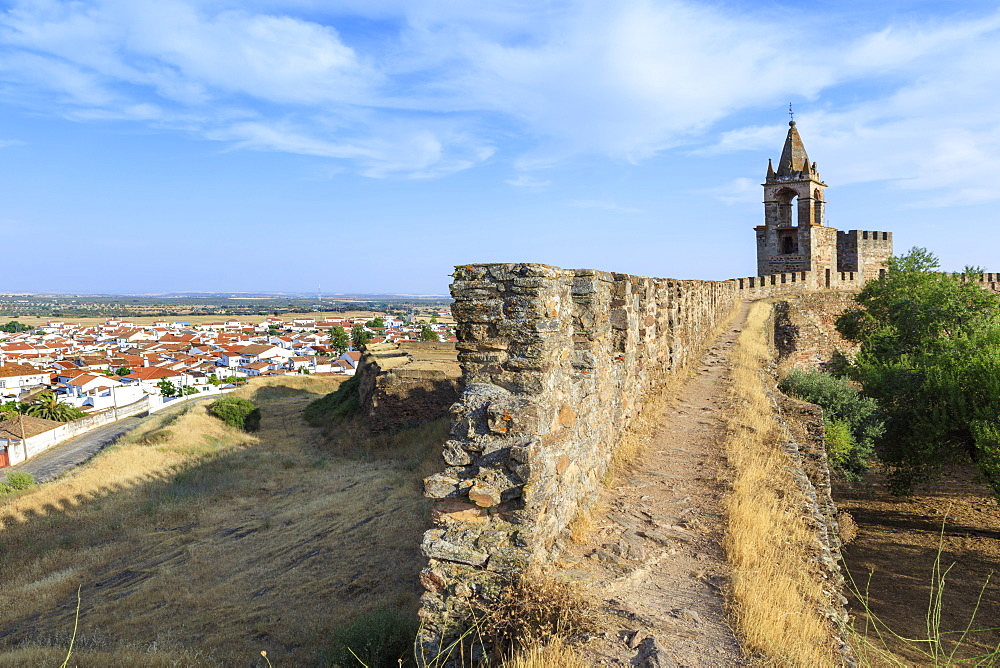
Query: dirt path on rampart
{"type": "Point", "coordinates": [655, 560]}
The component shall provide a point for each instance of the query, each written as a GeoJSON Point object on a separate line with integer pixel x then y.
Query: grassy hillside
{"type": "Point", "coordinates": [197, 544]}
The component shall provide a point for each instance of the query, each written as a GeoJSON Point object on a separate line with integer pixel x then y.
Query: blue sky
{"type": "Point", "coordinates": [370, 146]}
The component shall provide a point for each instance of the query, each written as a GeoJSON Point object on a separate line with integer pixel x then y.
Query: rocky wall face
{"type": "Point", "coordinates": [556, 362]}
{"type": "Point", "coordinates": [805, 333]}
{"type": "Point", "coordinates": [401, 384]}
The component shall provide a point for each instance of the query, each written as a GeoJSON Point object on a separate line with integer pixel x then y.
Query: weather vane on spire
{"type": "Point", "coordinates": [791, 114]}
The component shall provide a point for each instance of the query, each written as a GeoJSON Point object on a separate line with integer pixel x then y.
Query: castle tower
{"type": "Point", "coordinates": [793, 237]}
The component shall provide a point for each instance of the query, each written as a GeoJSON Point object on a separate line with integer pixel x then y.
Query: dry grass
{"type": "Point", "coordinates": [776, 595]}
{"type": "Point", "coordinates": [535, 610]}
{"type": "Point", "coordinates": [554, 654]}
{"type": "Point", "coordinates": [210, 545]}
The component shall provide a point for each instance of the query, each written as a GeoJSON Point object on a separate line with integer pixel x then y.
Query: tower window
{"type": "Point", "coordinates": [789, 244]}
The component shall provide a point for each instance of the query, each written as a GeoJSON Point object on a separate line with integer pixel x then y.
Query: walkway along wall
{"type": "Point", "coordinates": [555, 363]}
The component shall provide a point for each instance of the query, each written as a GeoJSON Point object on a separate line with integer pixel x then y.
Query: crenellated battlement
{"type": "Point", "coordinates": [864, 251]}
{"type": "Point", "coordinates": [988, 280]}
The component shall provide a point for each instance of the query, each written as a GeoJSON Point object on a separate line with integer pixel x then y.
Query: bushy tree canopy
{"type": "Point", "coordinates": [852, 421]}
{"type": "Point", "coordinates": [427, 333]}
{"type": "Point", "coordinates": [339, 340]}
{"type": "Point", "coordinates": [359, 336]}
{"type": "Point", "coordinates": [930, 357]}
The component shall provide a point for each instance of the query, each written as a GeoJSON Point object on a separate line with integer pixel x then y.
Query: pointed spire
{"type": "Point", "coordinates": [770, 170]}
{"type": "Point", "coordinates": [793, 155]}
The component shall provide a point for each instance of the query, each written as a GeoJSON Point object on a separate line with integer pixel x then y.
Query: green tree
{"type": "Point", "coordinates": [47, 406]}
{"type": "Point", "coordinates": [167, 388]}
{"type": "Point", "coordinates": [14, 327]}
{"type": "Point", "coordinates": [375, 322]}
{"type": "Point", "coordinates": [12, 407]}
{"type": "Point", "coordinates": [359, 336]}
{"type": "Point", "coordinates": [427, 333]}
{"type": "Point", "coordinates": [930, 356]}
{"type": "Point", "coordinates": [214, 380]}
{"type": "Point", "coordinates": [339, 339]}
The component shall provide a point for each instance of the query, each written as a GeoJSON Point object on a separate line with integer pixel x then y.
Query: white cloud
{"type": "Point", "coordinates": [738, 191]}
{"type": "Point", "coordinates": [528, 182]}
{"type": "Point", "coordinates": [419, 154]}
{"type": "Point", "coordinates": [930, 129]}
{"type": "Point", "coordinates": [438, 86]}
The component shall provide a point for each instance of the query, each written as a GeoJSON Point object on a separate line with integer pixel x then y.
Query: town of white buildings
{"type": "Point", "coordinates": [118, 364]}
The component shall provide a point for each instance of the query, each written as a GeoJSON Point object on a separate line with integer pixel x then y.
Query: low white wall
{"type": "Point", "coordinates": [150, 403]}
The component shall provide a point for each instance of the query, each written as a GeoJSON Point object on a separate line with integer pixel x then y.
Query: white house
{"type": "Point", "coordinates": [351, 358]}
{"type": "Point", "coordinates": [15, 378]}
{"type": "Point", "coordinates": [148, 378]}
{"type": "Point", "coordinates": [260, 352]}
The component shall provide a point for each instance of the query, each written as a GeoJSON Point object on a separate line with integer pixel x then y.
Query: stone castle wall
{"type": "Point", "coordinates": [805, 332]}
{"type": "Point", "coordinates": [863, 251]}
{"type": "Point", "coordinates": [555, 363]}
{"type": "Point", "coordinates": [989, 281]}
{"type": "Point", "coordinates": [407, 382]}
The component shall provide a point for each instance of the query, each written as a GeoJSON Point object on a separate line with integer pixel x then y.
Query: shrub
{"type": "Point", "coordinates": [339, 403]}
{"type": "Point", "coordinates": [840, 442]}
{"type": "Point", "coordinates": [236, 412]}
{"type": "Point", "coordinates": [18, 480]}
{"type": "Point", "coordinates": [852, 421]}
{"type": "Point", "coordinates": [156, 437]}
{"type": "Point", "coordinates": [382, 638]}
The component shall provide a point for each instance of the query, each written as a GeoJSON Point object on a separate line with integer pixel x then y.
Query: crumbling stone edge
{"type": "Point", "coordinates": [556, 363]}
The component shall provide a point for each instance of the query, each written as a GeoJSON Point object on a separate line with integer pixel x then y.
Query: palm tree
{"type": "Point", "coordinates": [46, 405]}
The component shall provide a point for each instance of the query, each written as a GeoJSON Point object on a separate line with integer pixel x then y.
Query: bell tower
{"type": "Point", "coordinates": [794, 236]}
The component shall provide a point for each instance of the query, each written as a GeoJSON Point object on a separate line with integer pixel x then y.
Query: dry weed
{"type": "Point", "coordinates": [556, 653]}
{"type": "Point", "coordinates": [776, 596]}
{"type": "Point", "coordinates": [152, 657]}
{"type": "Point", "coordinates": [583, 525]}
{"type": "Point", "coordinates": [534, 611]}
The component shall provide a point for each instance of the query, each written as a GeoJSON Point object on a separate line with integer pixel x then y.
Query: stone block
{"type": "Point", "coordinates": [435, 546]}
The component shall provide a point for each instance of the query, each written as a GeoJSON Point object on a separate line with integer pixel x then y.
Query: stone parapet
{"type": "Point", "coordinates": [555, 364]}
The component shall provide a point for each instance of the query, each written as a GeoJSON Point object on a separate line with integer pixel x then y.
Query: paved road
{"type": "Point", "coordinates": [79, 449]}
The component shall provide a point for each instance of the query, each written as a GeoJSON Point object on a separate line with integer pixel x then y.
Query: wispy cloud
{"type": "Point", "coordinates": [738, 191]}
{"type": "Point", "coordinates": [427, 88]}
{"type": "Point", "coordinates": [930, 127]}
{"type": "Point", "coordinates": [528, 182]}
